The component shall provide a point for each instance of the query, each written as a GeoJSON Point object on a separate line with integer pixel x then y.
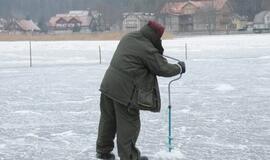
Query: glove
{"type": "Point", "coordinates": [183, 66]}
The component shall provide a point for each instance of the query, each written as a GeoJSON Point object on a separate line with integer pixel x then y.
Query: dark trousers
{"type": "Point", "coordinates": [120, 120]}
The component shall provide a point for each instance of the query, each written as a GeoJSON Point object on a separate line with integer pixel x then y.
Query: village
{"type": "Point", "coordinates": [195, 16]}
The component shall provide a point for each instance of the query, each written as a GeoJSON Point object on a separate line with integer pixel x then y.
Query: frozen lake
{"type": "Point", "coordinates": [220, 106]}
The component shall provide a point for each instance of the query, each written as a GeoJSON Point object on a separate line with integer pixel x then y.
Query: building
{"type": "Point", "coordinates": [196, 15]}
{"type": "Point", "coordinates": [262, 22]}
{"type": "Point", "coordinates": [178, 16]}
{"type": "Point", "coordinates": [133, 21]}
{"type": "Point", "coordinates": [77, 21]}
{"type": "Point", "coordinates": [21, 26]}
{"type": "Point", "coordinates": [3, 23]}
{"type": "Point", "coordinates": [240, 23]}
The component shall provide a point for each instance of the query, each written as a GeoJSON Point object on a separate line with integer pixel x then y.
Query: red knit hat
{"type": "Point", "coordinates": [158, 28]}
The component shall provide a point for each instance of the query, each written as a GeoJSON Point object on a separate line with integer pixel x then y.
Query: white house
{"type": "Point", "coordinates": [85, 20]}
{"type": "Point", "coordinates": [3, 23]}
{"type": "Point", "coordinates": [262, 22]}
{"type": "Point", "coordinates": [133, 21]}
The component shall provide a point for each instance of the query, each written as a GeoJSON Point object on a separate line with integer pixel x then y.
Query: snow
{"type": "Point", "coordinates": [220, 107]}
{"type": "Point", "coordinates": [64, 134]}
{"type": "Point", "coordinates": [224, 87]}
{"type": "Point", "coordinates": [165, 155]}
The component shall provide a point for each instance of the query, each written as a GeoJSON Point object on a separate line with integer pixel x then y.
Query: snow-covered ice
{"type": "Point", "coordinates": [224, 87]}
{"type": "Point", "coordinates": [165, 155]}
{"type": "Point", "coordinates": [220, 106]}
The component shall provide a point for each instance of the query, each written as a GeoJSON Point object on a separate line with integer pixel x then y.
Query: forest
{"type": "Point", "coordinates": [42, 10]}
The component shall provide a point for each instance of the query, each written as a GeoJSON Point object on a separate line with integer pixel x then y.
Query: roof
{"type": "Point", "coordinates": [140, 15]}
{"type": "Point", "coordinates": [79, 13]}
{"type": "Point", "coordinates": [241, 18]}
{"type": "Point", "coordinates": [28, 25]}
{"type": "Point", "coordinates": [81, 16]}
{"type": "Point", "coordinates": [173, 7]}
{"type": "Point", "coordinates": [67, 18]}
{"type": "Point", "coordinates": [177, 7]}
{"type": "Point", "coordinates": [259, 18]}
{"type": "Point", "coordinates": [219, 4]}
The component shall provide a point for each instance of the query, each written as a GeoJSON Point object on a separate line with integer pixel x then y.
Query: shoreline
{"type": "Point", "coordinates": [102, 36]}
{"type": "Point", "coordinates": [105, 36]}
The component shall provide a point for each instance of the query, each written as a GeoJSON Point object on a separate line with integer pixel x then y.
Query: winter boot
{"type": "Point", "coordinates": [143, 158]}
{"type": "Point", "coordinates": [105, 156]}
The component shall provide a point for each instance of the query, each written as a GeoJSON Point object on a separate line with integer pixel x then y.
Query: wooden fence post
{"type": "Point", "coordinates": [99, 48]}
{"type": "Point", "coordinates": [186, 51]}
{"type": "Point", "coordinates": [30, 51]}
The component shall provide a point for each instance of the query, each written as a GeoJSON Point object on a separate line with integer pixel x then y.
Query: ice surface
{"type": "Point", "coordinates": [220, 107]}
{"type": "Point", "coordinates": [224, 87]}
{"type": "Point", "coordinates": [165, 155]}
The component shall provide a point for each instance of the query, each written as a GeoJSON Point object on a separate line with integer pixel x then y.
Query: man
{"type": "Point", "coordinates": [130, 85]}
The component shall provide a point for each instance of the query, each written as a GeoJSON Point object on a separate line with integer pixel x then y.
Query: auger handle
{"type": "Point", "coordinates": [170, 138]}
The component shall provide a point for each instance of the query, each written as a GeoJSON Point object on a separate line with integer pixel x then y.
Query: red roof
{"type": "Point", "coordinates": [219, 4]}
{"type": "Point", "coordinates": [28, 25]}
{"type": "Point", "coordinates": [177, 7]}
{"type": "Point", "coordinates": [84, 19]}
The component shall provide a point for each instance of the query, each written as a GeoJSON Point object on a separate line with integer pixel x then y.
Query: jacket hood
{"type": "Point", "coordinates": [152, 36]}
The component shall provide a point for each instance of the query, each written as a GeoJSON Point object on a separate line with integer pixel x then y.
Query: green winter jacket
{"type": "Point", "coordinates": [131, 77]}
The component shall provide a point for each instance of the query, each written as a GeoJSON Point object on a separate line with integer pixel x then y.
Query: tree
{"type": "Point", "coordinates": [76, 28]}
{"type": "Point", "coordinates": [42, 25]}
{"type": "Point", "coordinates": [247, 7]}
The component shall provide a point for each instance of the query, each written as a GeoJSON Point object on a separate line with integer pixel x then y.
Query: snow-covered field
{"type": "Point", "coordinates": [220, 106]}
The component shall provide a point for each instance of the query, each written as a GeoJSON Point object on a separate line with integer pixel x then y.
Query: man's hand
{"type": "Point", "coordinates": [183, 66]}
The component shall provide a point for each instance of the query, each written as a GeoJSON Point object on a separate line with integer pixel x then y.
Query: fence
{"type": "Point", "coordinates": [17, 54]}
{"type": "Point", "coordinates": [33, 53]}
{"type": "Point", "coordinates": [28, 54]}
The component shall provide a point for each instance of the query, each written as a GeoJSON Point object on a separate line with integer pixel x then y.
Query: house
{"type": "Point", "coordinates": [213, 15]}
{"type": "Point", "coordinates": [240, 23]}
{"type": "Point", "coordinates": [3, 23]}
{"type": "Point", "coordinates": [133, 21]}
{"type": "Point", "coordinates": [22, 26]}
{"type": "Point", "coordinates": [262, 22]}
{"type": "Point", "coordinates": [196, 15]}
{"type": "Point", "coordinates": [178, 16]}
{"type": "Point", "coordinates": [77, 20]}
